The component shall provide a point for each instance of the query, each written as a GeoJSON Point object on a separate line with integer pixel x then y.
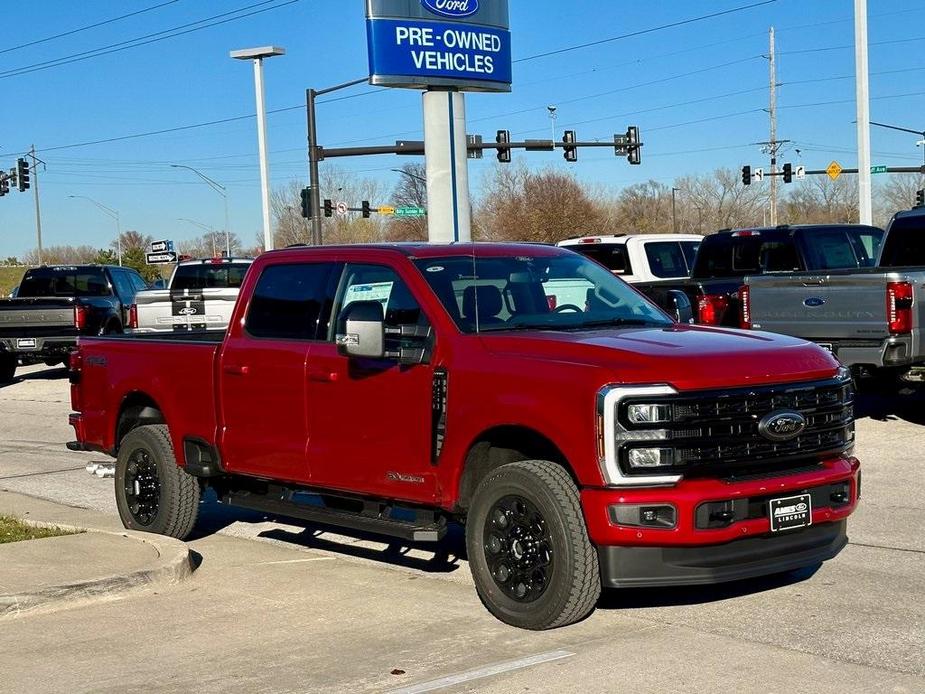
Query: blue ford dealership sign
{"type": "Point", "coordinates": [439, 43]}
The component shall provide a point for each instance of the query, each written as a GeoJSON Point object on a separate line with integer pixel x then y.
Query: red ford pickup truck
{"type": "Point", "coordinates": [584, 437]}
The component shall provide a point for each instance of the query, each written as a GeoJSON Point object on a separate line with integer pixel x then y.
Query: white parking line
{"type": "Point", "coordinates": [483, 672]}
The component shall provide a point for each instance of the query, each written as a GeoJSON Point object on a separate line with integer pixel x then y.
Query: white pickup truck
{"type": "Point", "coordinates": [200, 296]}
{"type": "Point", "coordinates": [640, 257]}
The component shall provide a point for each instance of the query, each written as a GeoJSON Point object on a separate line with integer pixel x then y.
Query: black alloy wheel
{"type": "Point", "coordinates": [518, 549]}
{"type": "Point", "coordinates": [142, 487]}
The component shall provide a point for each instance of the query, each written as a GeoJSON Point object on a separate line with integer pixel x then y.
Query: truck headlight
{"type": "Point", "coordinates": [650, 457]}
{"type": "Point", "coordinates": [640, 413]}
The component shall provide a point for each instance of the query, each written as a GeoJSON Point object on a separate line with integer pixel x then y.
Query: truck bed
{"type": "Point", "coordinates": [180, 366]}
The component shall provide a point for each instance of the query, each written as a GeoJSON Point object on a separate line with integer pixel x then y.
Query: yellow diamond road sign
{"type": "Point", "coordinates": [834, 170]}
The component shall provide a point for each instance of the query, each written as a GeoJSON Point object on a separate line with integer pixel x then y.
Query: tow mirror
{"type": "Point", "coordinates": [680, 306]}
{"type": "Point", "coordinates": [361, 330]}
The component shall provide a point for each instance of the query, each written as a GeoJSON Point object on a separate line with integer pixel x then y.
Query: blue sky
{"type": "Point", "coordinates": [697, 92]}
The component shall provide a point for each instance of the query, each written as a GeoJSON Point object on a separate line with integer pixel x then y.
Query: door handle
{"type": "Point", "coordinates": [813, 282]}
{"type": "Point", "coordinates": [322, 376]}
{"type": "Point", "coordinates": [236, 370]}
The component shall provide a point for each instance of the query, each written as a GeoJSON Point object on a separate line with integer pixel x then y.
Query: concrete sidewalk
{"type": "Point", "coordinates": [98, 563]}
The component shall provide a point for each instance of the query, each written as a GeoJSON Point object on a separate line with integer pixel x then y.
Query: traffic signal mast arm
{"type": "Point", "coordinates": [416, 147]}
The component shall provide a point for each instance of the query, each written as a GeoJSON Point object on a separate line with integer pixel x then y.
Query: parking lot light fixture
{"type": "Point", "coordinates": [257, 55]}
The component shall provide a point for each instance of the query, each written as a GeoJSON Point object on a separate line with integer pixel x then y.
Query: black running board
{"type": "Point", "coordinates": [377, 517]}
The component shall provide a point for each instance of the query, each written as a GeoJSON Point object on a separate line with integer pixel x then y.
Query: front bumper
{"type": "Point", "coordinates": [693, 551]}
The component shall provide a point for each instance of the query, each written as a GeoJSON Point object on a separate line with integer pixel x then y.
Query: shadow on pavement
{"type": "Point", "coordinates": [632, 598]}
{"type": "Point", "coordinates": [440, 557]}
{"type": "Point", "coordinates": [890, 401]}
{"type": "Point", "coordinates": [47, 374]}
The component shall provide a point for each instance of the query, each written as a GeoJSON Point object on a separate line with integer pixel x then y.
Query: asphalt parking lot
{"type": "Point", "coordinates": [279, 607]}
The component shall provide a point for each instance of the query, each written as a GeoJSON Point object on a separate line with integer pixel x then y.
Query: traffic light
{"type": "Point", "coordinates": [920, 198]}
{"type": "Point", "coordinates": [367, 211]}
{"type": "Point", "coordinates": [328, 208]}
{"type": "Point", "coordinates": [788, 173]}
{"type": "Point", "coordinates": [504, 153]}
{"type": "Point", "coordinates": [746, 175]}
{"type": "Point", "coordinates": [22, 174]}
{"type": "Point", "coordinates": [571, 151]}
{"type": "Point", "coordinates": [307, 203]}
{"type": "Point", "coordinates": [633, 153]}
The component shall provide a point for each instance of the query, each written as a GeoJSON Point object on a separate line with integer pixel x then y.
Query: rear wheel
{"type": "Point", "coordinates": [7, 368]}
{"type": "Point", "coordinates": [533, 564]}
{"type": "Point", "coordinates": [154, 494]}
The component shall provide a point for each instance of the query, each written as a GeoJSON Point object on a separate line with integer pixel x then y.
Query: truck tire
{"type": "Point", "coordinates": [533, 564]}
{"type": "Point", "coordinates": [153, 493]}
{"type": "Point", "coordinates": [7, 368]}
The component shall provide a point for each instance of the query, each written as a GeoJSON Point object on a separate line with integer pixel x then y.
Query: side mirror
{"type": "Point", "coordinates": [680, 306]}
{"type": "Point", "coordinates": [361, 330]}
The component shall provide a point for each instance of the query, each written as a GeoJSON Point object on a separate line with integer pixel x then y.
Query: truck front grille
{"type": "Point", "coordinates": [717, 432]}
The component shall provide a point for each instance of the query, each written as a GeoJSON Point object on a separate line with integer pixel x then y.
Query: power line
{"type": "Point", "coordinates": [87, 27]}
{"type": "Point", "coordinates": [851, 46]}
{"type": "Point", "coordinates": [643, 32]}
{"type": "Point", "coordinates": [163, 35]}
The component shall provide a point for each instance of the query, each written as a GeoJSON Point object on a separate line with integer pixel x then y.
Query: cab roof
{"type": "Point", "coordinates": [432, 250]}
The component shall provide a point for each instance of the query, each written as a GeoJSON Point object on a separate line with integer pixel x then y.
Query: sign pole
{"type": "Point", "coordinates": [863, 104]}
{"type": "Point", "coordinates": [445, 148]}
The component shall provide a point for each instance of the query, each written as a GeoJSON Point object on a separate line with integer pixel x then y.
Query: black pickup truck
{"type": "Point", "coordinates": [727, 257]}
{"type": "Point", "coordinates": [56, 304]}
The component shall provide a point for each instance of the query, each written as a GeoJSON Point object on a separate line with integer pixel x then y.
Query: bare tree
{"type": "Point", "coordinates": [411, 191]}
{"type": "Point", "coordinates": [545, 206]}
{"type": "Point", "coordinates": [898, 194]}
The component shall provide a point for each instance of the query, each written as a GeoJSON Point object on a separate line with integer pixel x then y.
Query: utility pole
{"type": "Point", "coordinates": [38, 211]}
{"type": "Point", "coordinates": [674, 211]}
{"type": "Point", "coordinates": [772, 111]}
{"type": "Point", "coordinates": [863, 104]}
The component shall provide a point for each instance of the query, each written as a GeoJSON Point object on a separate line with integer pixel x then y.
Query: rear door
{"type": "Point", "coordinates": [262, 371]}
{"type": "Point", "coordinates": [371, 419]}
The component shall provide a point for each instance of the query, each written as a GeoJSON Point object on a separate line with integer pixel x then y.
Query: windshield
{"type": "Point", "coordinates": [560, 292]}
{"type": "Point", "coordinates": [64, 281]}
{"type": "Point", "coordinates": [209, 276]}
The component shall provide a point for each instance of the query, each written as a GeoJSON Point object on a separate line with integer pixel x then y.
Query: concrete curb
{"type": "Point", "coordinates": [173, 565]}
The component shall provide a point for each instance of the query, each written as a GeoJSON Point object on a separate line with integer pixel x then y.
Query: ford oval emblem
{"type": "Point", "coordinates": [782, 425]}
{"type": "Point", "coordinates": [813, 301]}
{"type": "Point", "coordinates": [452, 8]}
{"type": "Point", "coordinates": [188, 311]}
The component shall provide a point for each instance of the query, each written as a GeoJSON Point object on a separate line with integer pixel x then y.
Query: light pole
{"type": "Point", "coordinates": [674, 214]}
{"type": "Point", "coordinates": [553, 114]}
{"type": "Point", "coordinates": [221, 190]}
{"type": "Point", "coordinates": [205, 227]}
{"type": "Point", "coordinates": [112, 213]}
{"type": "Point", "coordinates": [257, 55]}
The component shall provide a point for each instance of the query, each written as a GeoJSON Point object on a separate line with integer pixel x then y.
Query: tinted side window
{"type": "Point", "coordinates": [137, 281]}
{"type": "Point", "coordinates": [905, 242]}
{"type": "Point", "coordinates": [611, 255]}
{"type": "Point", "coordinates": [292, 302]}
{"type": "Point", "coordinates": [124, 289]}
{"type": "Point", "coordinates": [666, 259]}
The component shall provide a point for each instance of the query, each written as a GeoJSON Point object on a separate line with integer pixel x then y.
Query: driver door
{"type": "Point", "coordinates": [370, 419]}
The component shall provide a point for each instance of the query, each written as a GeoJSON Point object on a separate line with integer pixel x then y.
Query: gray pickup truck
{"type": "Point", "coordinates": [870, 317]}
{"type": "Point", "coordinates": [200, 296]}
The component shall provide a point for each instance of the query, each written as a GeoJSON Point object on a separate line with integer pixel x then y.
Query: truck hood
{"type": "Point", "coordinates": [686, 357]}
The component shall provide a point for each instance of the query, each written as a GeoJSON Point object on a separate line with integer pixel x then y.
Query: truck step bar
{"type": "Point", "coordinates": [373, 516]}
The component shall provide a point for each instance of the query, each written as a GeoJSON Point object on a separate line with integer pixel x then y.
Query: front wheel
{"type": "Point", "coordinates": [154, 494]}
{"type": "Point", "coordinates": [533, 564]}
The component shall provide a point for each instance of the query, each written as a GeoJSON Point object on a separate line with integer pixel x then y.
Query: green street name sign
{"type": "Point", "coordinates": [878, 169]}
{"type": "Point", "coordinates": [410, 212]}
